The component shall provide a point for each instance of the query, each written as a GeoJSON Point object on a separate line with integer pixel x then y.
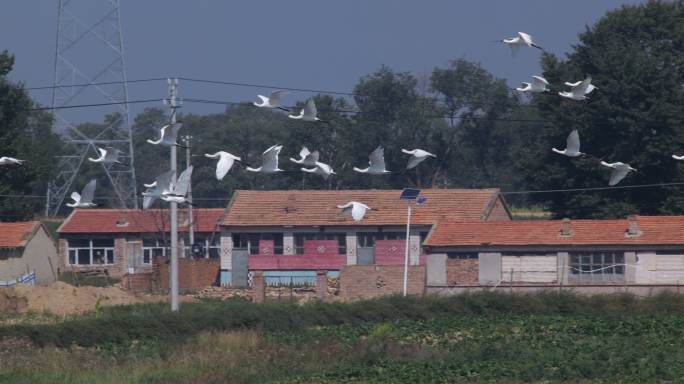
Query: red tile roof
{"type": "Point", "coordinates": [653, 230]}
{"type": "Point", "coordinates": [137, 221]}
{"type": "Point", "coordinates": [16, 235]}
{"type": "Point", "coordinates": [319, 207]}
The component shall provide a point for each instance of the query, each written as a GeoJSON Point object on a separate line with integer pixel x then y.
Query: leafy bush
{"type": "Point", "coordinates": [123, 324]}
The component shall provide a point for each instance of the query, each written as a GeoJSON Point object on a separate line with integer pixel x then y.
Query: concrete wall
{"type": "Point", "coordinates": [436, 269]}
{"type": "Point", "coordinates": [40, 254]}
{"type": "Point", "coordinates": [653, 268]}
{"type": "Point", "coordinates": [365, 281]}
{"type": "Point", "coordinates": [529, 269]}
{"type": "Point", "coordinates": [639, 290]}
{"type": "Point", "coordinates": [489, 268]}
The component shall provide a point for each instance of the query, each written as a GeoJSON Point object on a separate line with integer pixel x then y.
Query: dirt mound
{"type": "Point", "coordinates": [64, 299]}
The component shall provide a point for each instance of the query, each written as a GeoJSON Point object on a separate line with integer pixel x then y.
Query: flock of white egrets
{"type": "Point", "coordinates": [166, 188]}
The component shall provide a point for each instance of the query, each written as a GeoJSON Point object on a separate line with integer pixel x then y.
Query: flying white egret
{"type": "Point", "coordinates": [358, 210]}
{"type": "Point", "coordinates": [418, 155]}
{"type": "Point", "coordinates": [273, 101]}
{"type": "Point", "coordinates": [579, 90]}
{"type": "Point", "coordinates": [572, 146]}
{"type": "Point", "coordinates": [306, 157]}
{"type": "Point", "coordinates": [168, 135]}
{"type": "Point", "coordinates": [376, 163]}
{"type": "Point", "coordinates": [178, 190]}
{"type": "Point", "coordinates": [161, 184]}
{"type": "Point", "coordinates": [620, 170]}
{"type": "Point", "coordinates": [107, 156]}
{"type": "Point", "coordinates": [224, 164]}
{"type": "Point", "coordinates": [678, 157]}
{"type": "Point", "coordinates": [523, 39]}
{"type": "Point", "coordinates": [321, 169]}
{"type": "Point", "coordinates": [308, 113]}
{"type": "Point", "coordinates": [10, 160]}
{"type": "Point", "coordinates": [537, 85]}
{"type": "Point", "coordinates": [85, 199]}
{"type": "Point", "coordinates": [269, 161]}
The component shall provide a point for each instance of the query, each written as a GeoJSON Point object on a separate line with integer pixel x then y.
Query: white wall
{"type": "Point", "coordinates": [529, 269]}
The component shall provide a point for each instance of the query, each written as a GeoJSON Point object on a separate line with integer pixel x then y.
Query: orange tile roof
{"type": "Point", "coordinates": [15, 235]}
{"type": "Point", "coordinates": [319, 207]}
{"type": "Point", "coordinates": [137, 221]}
{"type": "Point", "coordinates": [654, 230]}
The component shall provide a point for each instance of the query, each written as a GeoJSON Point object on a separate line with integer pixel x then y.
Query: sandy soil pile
{"type": "Point", "coordinates": [64, 299]}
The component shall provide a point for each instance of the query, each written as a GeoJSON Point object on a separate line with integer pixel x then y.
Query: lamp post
{"type": "Point", "coordinates": [410, 194]}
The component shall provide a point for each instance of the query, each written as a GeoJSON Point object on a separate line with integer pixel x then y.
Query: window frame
{"type": "Point", "coordinates": [72, 259]}
{"type": "Point", "coordinates": [149, 251]}
{"type": "Point", "coordinates": [584, 266]}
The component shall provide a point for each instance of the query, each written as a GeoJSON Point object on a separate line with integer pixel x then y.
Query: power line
{"type": "Point", "coordinates": [250, 85]}
{"type": "Point", "coordinates": [95, 84]}
{"type": "Point", "coordinates": [95, 104]}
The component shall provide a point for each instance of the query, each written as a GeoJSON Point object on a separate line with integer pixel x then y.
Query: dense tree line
{"type": "Point", "coordinates": [484, 134]}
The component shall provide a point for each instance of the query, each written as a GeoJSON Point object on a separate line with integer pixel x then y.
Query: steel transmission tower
{"type": "Point", "coordinates": [89, 53]}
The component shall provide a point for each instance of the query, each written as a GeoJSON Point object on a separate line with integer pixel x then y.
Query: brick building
{"type": "Point", "coordinates": [639, 250]}
{"type": "Point", "coordinates": [291, 234]}
{"type": "Point", "coordinates": [119, 240]}
{"type": "Point", "coordinates": [25, 247]}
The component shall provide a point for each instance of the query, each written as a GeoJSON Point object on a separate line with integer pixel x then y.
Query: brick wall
{"type": "Point", "coordinates": [364, 281]}
{"type": "Point", "coordinates": [462, 271]}
{"type": "Point", "coordinates": [139, 282]}
{"type": "Point", "coordinates": [192, 274]}
{"type": "Point", "coordinates": [390, 252]}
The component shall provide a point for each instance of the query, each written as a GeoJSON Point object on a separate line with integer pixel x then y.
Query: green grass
{"type": "Point", "coordinates": [481, 337]}
{"type": "Point", "coordinates": [85, 279]}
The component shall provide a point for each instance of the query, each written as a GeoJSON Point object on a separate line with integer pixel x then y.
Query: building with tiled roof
{"type": "Point", "coordinates": [117, 241]}
{"type": "Point", "coordinates": [296, 232]}
{"type": "Point", "coordinates": [641, 250]}
{"type": "Point", "coordinates": [27, 247]}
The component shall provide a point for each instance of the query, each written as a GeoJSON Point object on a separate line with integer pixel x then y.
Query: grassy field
{"type": "Point", "coordinates": [485, 338]}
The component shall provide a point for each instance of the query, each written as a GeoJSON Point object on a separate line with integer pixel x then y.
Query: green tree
{"type": "Point", "coordinates": [636, 57]}
{"type": "Point", "coordinates": [25, 133]}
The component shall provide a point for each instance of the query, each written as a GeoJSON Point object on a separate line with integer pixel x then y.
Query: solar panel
{"type": "Point", "coordinates": [409, 194]}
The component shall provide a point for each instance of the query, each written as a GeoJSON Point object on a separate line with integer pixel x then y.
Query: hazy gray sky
{"type": "Point", "coordinates": [307, 44]}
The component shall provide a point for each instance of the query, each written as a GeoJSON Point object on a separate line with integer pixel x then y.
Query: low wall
{"type": "Point", "coordinates": [365, 281]}
{"type": "Point", "coordinates": [638, 290]}
{"type": "Point", "coordinates": [192, 274]}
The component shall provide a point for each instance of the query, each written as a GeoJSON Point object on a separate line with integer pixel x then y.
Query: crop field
{"type": "Point", "coordinates": [479, 338]}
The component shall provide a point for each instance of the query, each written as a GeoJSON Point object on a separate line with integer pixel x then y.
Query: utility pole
{"type": "Point", "coordinates": [191, 218]}
{"type": "Point", "coordinates": [406, 251]}
{"type": "Point", "coordinates": [174, 104]}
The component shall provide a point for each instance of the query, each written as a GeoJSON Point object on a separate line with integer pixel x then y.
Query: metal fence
{"type": "Point", "coordinates": [28, 279]}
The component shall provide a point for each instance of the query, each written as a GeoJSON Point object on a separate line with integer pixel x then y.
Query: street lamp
{"type": "Point", "coordinates": [410, 194]}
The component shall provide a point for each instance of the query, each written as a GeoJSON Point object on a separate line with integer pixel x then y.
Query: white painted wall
{"type": "Point", "coordinates": [226, 251]}
{"type": "Point", "coordinates": [529, 269]}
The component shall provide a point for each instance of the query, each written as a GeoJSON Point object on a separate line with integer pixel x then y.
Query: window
{"type": "Point", "coordinates": [597, 266]}
{"type": "Point", "coordinates": [341, 238]}
{"type": "Point", "coordinates": [153, 248]}
{"type": "Point", "coordinates": [91, 252]}
{"type": "Point", "coordinates": [211, 246]}
{"type": "Point", "coordinates": [367, 239]}
{"type": "Point", "coordinates": [250, 242]}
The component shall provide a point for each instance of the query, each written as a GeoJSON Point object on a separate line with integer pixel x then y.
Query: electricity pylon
{"type": "Point", "coordinates": [89, 52]}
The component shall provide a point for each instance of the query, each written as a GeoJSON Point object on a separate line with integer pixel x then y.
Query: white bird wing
{"type": "Point", "coordinates": [310, 108]}
{"type": "Point", "coordinates": [270, 157]}
{"type": "Point", "coordinates": [88, 193]}
{"type": "Point", "coordinates": [583, 87]}
{"type": "Point", "coordinates": [358, 211]}
{"type": "Point", "coordinates": [377, 158]}
{"type": "Point", "coordinates": [413, 161]}
{"type": "Point", "coordinates": [526, 38]}
{"type": "Point", "coordinates": [163, 183]}
{"type": "Point", "coordinates": [216, 155]}
{"type": "Point", "coordinates": [539, 81]}
{"type": "Point", "coordinates": [619, 173]}
{"type": "Point", "coordinates": [76, 197]}
{"type": "Point", "coordinates": [514, 49]}
{"type": "Point", "coordinates": [409, 152]}
{"type": "Point", "coordinates": [573, 84]}
{"type": "Point", "coordinates": [678, 157]}
{"type": "Point", "coordinates": [183, 182]}
{"type": "Point", "coordinates": [148, 200]}
{"type": "Point", "coordinates": [171, 135]}
{"type": "Point", "coordinates": [224, 165]}
{"type": "Point", "coordinates": [103, 152]}
{"type": "Point", "coordinates": [276, 95]}
{"type": "Point", "coordinates": [573, 142]}
{"type": "Point", "coordinates": [264, 100]}
{"type": "Point", "coordinates": [312, 158]}
{"type": "Point", "coordinates": [304, 153]}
